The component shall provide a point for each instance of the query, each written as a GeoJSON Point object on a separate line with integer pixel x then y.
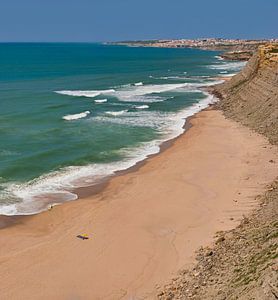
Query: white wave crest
{"type": "Point", "coordinates": [142, 106]}
{"type": "Point", "coordinates": [101, 100]}
{"type": "Point", "coordinates": [172, 77]}
{"type": "Point", "coordinates": [164, 122]}
{"type": "Point", "coordinates": [139, 93]}
{"type": "Point", "coordinates": [76, 116]}
{"type": "Point", "coordinates": [89, 94]}
{"type": "Point", "coordinates": [228, 75]}
{"type": "Point", "coordinates": [143, 93]}
{"type": "Point", "coordinates": [138, 83]}
{"type": "Point", "coordinates": [233, 66]}
{"type": "Point", "coordinates": [219, 57]}
{"type": "Point", "coordinates": [116, 113]}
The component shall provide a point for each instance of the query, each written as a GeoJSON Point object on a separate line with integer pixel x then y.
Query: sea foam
{"type": "Point", "coordinates": [89, 94]}
{"type": "Point", "coordinates": [57, 186]}
{"type": "Point", "coordinates": [229, 66]}
{"type": "Point", "coordinates": [101, 101]}
{"type": "Point", "coordinates": [143, 93]}
{"type": "Point", "coordinates": [116, 113]}
{"type": "Point", "coordinates": [142, 106]}
{"type": "Point", "coordinates": [76, 116]}
{"type": "Point", "coordinates": [138, 93]}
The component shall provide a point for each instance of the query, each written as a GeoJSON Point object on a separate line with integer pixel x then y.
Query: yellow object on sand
{"type": "Point", "coordinates": [83, 236]}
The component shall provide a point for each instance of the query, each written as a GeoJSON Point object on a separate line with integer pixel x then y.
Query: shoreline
{"type": "Point", "coordinates": [135, 241]}
{"type": "Point", "coordinates": [94, 189]}
{"type": "Point", "coordinates": [84, 192]}
{"type": "Point", "coordinates": [91, 190]}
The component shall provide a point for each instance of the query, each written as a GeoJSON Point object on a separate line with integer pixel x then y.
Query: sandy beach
{"type": "Point", "coordinates": [143, 226]}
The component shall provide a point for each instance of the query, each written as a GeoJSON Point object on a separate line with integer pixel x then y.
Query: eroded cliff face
{"type": "Point", "coordinates": [251, 97]}
{"type": "Point", "coordinates": [243, 263]}
{"type": "Point", "coordinates": [238, 55]}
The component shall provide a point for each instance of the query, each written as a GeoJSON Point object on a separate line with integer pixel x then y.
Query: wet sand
{"type": "Point", "coordinates": [143, 225]}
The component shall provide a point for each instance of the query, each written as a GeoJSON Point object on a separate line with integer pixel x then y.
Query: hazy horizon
{"type": "Point", "coordinates": [107, 20]}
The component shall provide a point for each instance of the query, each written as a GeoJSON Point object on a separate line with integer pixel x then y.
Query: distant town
{"type": "Point", "coordinates": [239, 49]}
{"type": "Point", "coordinates": [200, 43]}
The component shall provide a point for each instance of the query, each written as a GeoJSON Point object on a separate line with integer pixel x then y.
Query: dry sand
{"type": "Point", "coordinates": [144, 225]}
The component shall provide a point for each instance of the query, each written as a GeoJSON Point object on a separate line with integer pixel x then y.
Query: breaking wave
{"type": "Point", "coordinates": [142, 106]}
{"type": "Point", "coordinates": [101, 100]}
{"type": "Point", "coordinates": [229, 66]}
{"type": "Point", "coordinates": [116, 113]}
{"type": "Point", "coordinates": [76, 116]}
{"type": "Point", "coordinates": [140, 93]}
{"type": "Point", "coordinates": [58, 186]}
{"type": "Point", "coordinates": [89, 94]}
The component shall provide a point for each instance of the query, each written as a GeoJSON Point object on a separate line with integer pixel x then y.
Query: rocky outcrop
{"type": "Point", "coordinates": [251, 97]}
{"type": "Point", "coordinates": [237, 55]}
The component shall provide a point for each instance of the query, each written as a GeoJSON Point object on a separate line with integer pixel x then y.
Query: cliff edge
{"type": "Point", "coordinates": [243, 263]}
{"type": "Point", "coordinates": [251, 97]}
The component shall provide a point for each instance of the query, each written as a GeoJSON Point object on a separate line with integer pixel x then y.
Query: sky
{"type": "Point", "coordinates": [114, 20]}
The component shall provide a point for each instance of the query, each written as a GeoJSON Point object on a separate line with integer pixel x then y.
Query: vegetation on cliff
{"type": "Point", "coordinates": [243, 264]}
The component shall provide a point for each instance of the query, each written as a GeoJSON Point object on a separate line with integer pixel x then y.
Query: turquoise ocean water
{"type": "Point", "coordinates": [71, 114]}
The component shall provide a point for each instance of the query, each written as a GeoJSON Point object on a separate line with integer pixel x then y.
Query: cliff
{"type": "Point", "coordinates": [237, 55]}
{"type": "Point", "coordinates": [243, 263]}
{"type": "Point", "coordinates": [251, 97]}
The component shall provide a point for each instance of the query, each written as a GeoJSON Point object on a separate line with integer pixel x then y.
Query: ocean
{"type": "Point", "coordinates": [73, 114]}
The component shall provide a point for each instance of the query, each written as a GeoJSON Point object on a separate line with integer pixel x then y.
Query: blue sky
{"type": "Point", "coordinates": [110, 20]}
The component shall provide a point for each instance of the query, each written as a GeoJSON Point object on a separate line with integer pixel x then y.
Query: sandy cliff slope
{"type": "Point", "coordinates": [251, 97]}
{"type": "Point", "coordinates": [243, 263]}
